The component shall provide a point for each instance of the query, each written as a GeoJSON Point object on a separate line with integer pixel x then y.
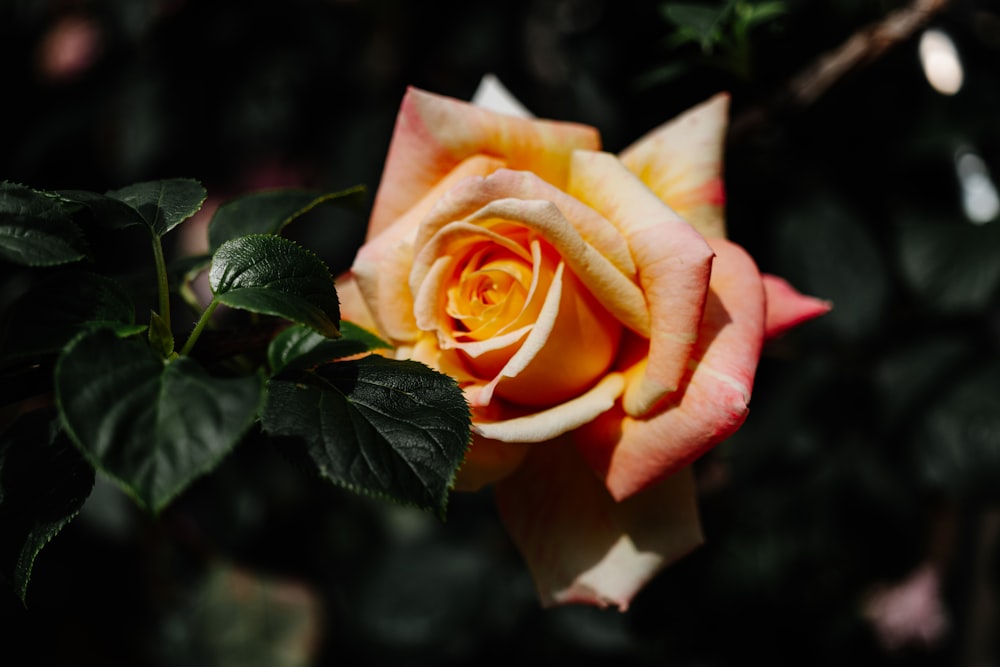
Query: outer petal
{"type": "Point", "coordinates": [353, 307]}
{"type": "Point", "coordinates": [674, 263]}
{"type": "Point", "coordinates": [787, 307]}
{"type": "Point", "coordinates": [633, 454]}
{"type": "Point", "coordinates": [681, 161]}
{"type": "Point", "coordinates": [541, 426]}
{"type": "Point", "coordinates": [580, 544]}
{"type": "Point", "coordinates": [434, 133]}
{"type": "Point", "coordinates": [493, 95]}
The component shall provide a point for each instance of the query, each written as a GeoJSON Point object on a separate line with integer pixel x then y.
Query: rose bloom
{"type": "Point", "coordinates": [604, 331]}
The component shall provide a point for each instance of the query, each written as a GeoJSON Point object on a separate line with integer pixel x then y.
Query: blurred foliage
{"type": "Point", "coordinates": [722, 33]}
{"type": "Point", "coordinates": [873, 444]}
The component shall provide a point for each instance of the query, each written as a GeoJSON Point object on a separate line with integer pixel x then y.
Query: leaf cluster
{"type": "Point", "coordinates": [90, 388]}
{"type": "Point", "coordinates": [721, 33]}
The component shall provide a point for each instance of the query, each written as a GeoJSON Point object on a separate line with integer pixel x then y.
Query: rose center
{"type": "Point", "coordinates": [489, 293]}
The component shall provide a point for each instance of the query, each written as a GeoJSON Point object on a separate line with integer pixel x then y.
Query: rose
{"type": "Point", "coordinates": [604, 331]}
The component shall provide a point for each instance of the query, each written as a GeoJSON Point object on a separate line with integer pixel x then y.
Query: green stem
{"type": "Point", "coordinates": [199, 327]}
{"type": "Point", "coordinates": [161, 280]}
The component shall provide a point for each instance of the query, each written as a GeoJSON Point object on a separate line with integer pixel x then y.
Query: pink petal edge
{"type": "Point", "coordinates": [583, 547]}
{"type": "Point", "coordinates": [787, 307]}
{"type": "Point", "coordinates": [631, 454]}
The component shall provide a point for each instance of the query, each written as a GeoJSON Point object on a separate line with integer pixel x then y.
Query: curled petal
{"type": "Point", "coordinates": [473, 194]}
{"type": "Point", "coordinates": [438, 262]}
{"type": "Point", "coordinates": [681, 161]}
{"type": "Point", "coordinates": [598, 256]}
{"type": "Point", "coordinates": [674, 263]}
{"type": "Point", "coordinates": [538, 372]}
{"type": "Point", "coordinates": [631, 454]}
{"type": "Point", "coordinates": [787, 307]}
{"type": "Point", "coordinates": [434, 133]}
{"type": "Point", "coordinates": [581, 545]}
{"type": "Point", "coordinates": [551, 423]}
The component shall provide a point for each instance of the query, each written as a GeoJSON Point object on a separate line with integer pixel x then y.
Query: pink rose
{"type": "Point", "coordinates": [605, 332]}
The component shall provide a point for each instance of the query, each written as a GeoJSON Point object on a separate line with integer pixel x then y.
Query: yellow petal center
{"type": "Point", "coordinates": [489, 293]}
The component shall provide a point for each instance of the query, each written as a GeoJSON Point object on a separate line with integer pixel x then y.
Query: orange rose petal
{"type": "Point", "coordinates": [787, 307]}
{"type": "Point", "coordinates": [426, 351]}
{"type": "Point", "coordinates": [580, 544]}
{"type": "Point", "coordinates": [473, 194]}
{"type": "Point", "coordinates": [433, 265]}
{"type": "Point", "coordinates": [681, 161]}
{"type": "Point", "coordinates": [674, 264]}
{"type": "Point", "coordinates": [382, 265]}
{"type": "Point", "coordinates": [481, 201]}
{"type": "Point", "coordinates": [632, 454]}
{"type": "Point", "coordinates": [434, 133]}
{"type": "Point", "coordinates": [551, 423]}
{"type": "Point", "coordinates": [489, 461]}
{"type": "Point", "coordinates": [615, 290]}
{"type": "Point", "coordinates": [380, 269]}
{"type": "Point", "coordinates": [571, 345]}
{"type": "Point", "coordinates": [353, 306]}
{"type": "Point", "coordinates": [535, 342]}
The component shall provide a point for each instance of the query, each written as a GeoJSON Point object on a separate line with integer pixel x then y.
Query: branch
{"type": "Point", "coordinates": [863, 47]}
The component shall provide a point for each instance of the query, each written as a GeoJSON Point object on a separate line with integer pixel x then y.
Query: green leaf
{"type": "Point", "coordinates": [272, 275]}
{"type": "Point", "coordinates": [108, 212]}
{"type": "Point", "coordinates": [163, 204]}
{"type": "Point", "coordinates": [751, 14]}
{"type": "Point", "coordinates": [301, 347]}
{"type": "Point", "coordinates": [181, 274]}
{"type": "Point", "coordinates": [36, 229]}
{"type": "Point", "coordinates": [44, 482]}
{"type": "Point", "coordinates": [661, 74]}
{"type": "Point", "coordinates": [53, 311]}
{"type": "Point", "coordinates": [696, 22]}
{"type": "Point", "coordinates": [390, 429]}
{"type": "Point", "coordinates": [268, 212]}
{"type": "Point", "coordinates": [153, 427]}
{"type": "Point", "coordinates": [161, 338]}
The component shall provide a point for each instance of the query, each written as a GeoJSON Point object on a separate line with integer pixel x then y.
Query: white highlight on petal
{"type": "Point", "coordinates": [610, 581]}
{"type": "Point", "coordinates": [658, 526]}
{"type": "Point", "coordinates": [493, 95]}
{"type": "Point", "coordinates": [551, 423]}
{"type": "Point", "coordinates": [722, 377]}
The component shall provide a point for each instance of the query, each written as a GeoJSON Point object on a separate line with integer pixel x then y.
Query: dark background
{"type": "Point", "coordinates": [872, 452]}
